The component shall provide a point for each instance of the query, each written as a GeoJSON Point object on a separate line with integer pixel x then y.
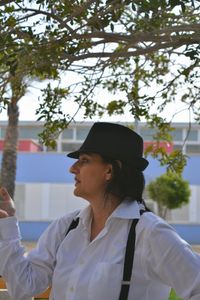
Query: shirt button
{"type": "Point", "coordinates": [71, 289]}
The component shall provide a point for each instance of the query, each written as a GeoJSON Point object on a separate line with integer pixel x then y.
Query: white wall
{"type": "Point", "coordinates": [191, 212]}
{"type": "Point", "coordinates": [45, 201]}
{"type": "Point", "coordinates": [50, 201]}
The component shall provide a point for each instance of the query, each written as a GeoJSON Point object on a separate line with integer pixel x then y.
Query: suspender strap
{"type": "Point", "coordinates": [128, 261]}
{"type": "Point", "coordinates": [73, 225]}
{"type": "Point", "coordinates": [129, 255]}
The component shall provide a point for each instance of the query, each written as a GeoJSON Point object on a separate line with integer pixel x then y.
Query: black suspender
{"type": "Point", "coordinates": [73, 225]}
{"type": "Point", "coordinates": [128, 261]}
{"type": "Point", "coordinates": [129, 256]}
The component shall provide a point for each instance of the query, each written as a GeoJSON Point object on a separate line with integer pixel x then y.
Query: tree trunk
{"type": "Point", "coordinates": [9, 159]}
{"type": "Point", "coordinates": [161, 210]}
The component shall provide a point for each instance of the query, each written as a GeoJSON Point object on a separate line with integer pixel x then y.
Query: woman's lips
{"type": "Point", "coordinates": [77, 181]}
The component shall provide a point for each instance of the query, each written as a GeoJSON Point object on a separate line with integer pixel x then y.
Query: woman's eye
{"type": "Point", "coordinates": [83, 160]}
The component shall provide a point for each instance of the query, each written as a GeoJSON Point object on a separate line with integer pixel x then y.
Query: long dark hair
{"type": "Point", "coordinates": [126, 181]}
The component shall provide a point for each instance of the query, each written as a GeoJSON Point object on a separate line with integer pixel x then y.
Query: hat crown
{"type": "Point", "coordinates": [115, 141]}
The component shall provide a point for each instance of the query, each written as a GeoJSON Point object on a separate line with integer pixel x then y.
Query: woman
{"type": "Point", "coordinates": [112, 249]}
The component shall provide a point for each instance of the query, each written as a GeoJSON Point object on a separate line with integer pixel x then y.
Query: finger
{"type": "Point", "coordinates": [4, 194]}
{"type": "Point", "coordinates": [3, 214]}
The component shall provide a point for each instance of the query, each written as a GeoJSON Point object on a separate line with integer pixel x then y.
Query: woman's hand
{"type": "Point", "coordinates": [7, 207]}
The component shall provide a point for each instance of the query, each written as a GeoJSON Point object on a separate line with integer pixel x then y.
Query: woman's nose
{"type": "Point", "coordinates": [73, 169]}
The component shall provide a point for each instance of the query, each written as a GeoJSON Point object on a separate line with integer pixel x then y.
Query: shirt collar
{"type": "Point", "coordinates": [85, 216]}
{"type": "Point", "coordinates": [128, 209]}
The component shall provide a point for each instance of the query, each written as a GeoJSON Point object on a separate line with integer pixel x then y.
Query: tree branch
{"type": "Point", "coordinates": [139, 51]}
{"type": "Point", "coordinates": [5, 2]}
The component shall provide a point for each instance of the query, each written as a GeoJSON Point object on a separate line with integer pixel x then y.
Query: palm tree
{"type": "Point", "coordinates": [20, 66]}
{"type": "Point", "coordinates": [9, 158]}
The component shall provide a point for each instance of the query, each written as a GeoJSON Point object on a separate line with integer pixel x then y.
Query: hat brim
{"type": "Point", "coordinates": [141, 164]}
{"type": "Point", "coordinates": [74, 154]}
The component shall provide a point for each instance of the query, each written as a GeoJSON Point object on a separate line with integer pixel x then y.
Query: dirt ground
{"type": "Point", "coordinates": [196, 248]}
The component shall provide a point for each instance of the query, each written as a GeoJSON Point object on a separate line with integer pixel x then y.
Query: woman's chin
{"type": "Point", "coordinates": [77, 193]}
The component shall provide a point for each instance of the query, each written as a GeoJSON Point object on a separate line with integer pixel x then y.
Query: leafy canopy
{"type": "Point", "coordinates": [144, 53]}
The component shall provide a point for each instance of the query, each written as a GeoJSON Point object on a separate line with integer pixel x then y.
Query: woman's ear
{"type": "Point", "coordinates": [109, 172]}
{"type": "Point", "coordinates": [119, 163]}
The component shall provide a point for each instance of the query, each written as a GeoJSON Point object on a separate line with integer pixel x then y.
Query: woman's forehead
{"type": "Point", "coordinates": [89, 154]}
{"type": "Point", "coordinates": [93, 156]}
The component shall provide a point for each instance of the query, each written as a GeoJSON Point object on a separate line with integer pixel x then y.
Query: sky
{"type": "Point", "coordinates": [29, 103]}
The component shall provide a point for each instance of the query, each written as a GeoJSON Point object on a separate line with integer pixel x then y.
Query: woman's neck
{"type": "Point", "coordinates": [100, 214]}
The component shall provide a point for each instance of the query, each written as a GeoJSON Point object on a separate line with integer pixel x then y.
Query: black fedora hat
{"type": "Point", "coordinates": [114, 141]}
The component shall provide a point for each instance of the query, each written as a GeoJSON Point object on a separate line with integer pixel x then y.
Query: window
{"type": "Point", "coordinates": [81, 133]}
{"type": "Point", "coordinates": [69, 147]}
{"type": "Point", "coordinates": [177, 134]}
{"type": "Point", "coordinates": [193, 149]}
{"type": "Point", "coordinates": [147, 133]}
{"type": "Point", "coordinates": [29, 132]}
{"type": "Point", "coordinates": [192, 135]}
{"type": "Point", "coordinates": [67, 134]}
{"type": "Point", "coordinates": [178, 147]}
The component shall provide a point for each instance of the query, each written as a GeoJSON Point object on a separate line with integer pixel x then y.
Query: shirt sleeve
{"type": "Point", "coordinates": [173, 262]}
{"type": "Point", "coordinates": [28, 275]}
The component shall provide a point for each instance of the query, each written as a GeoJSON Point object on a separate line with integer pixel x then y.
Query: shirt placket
{"type": "Point", "coordinates": [81, 267]}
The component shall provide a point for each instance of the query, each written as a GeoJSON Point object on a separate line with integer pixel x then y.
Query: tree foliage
{"type": "Point", "coordinates": [144, 53]}
{"type": "Point", "coordinates": [170, 191]}
{"type": "Point", "coordinates": [19, 65]}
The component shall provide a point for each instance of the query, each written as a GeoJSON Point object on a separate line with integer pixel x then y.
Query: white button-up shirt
{"type": "Point", "coordinates": [80, 269]}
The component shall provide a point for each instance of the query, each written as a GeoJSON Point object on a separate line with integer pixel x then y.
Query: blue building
{"type": "Point", "coordinates": [44, 186]}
